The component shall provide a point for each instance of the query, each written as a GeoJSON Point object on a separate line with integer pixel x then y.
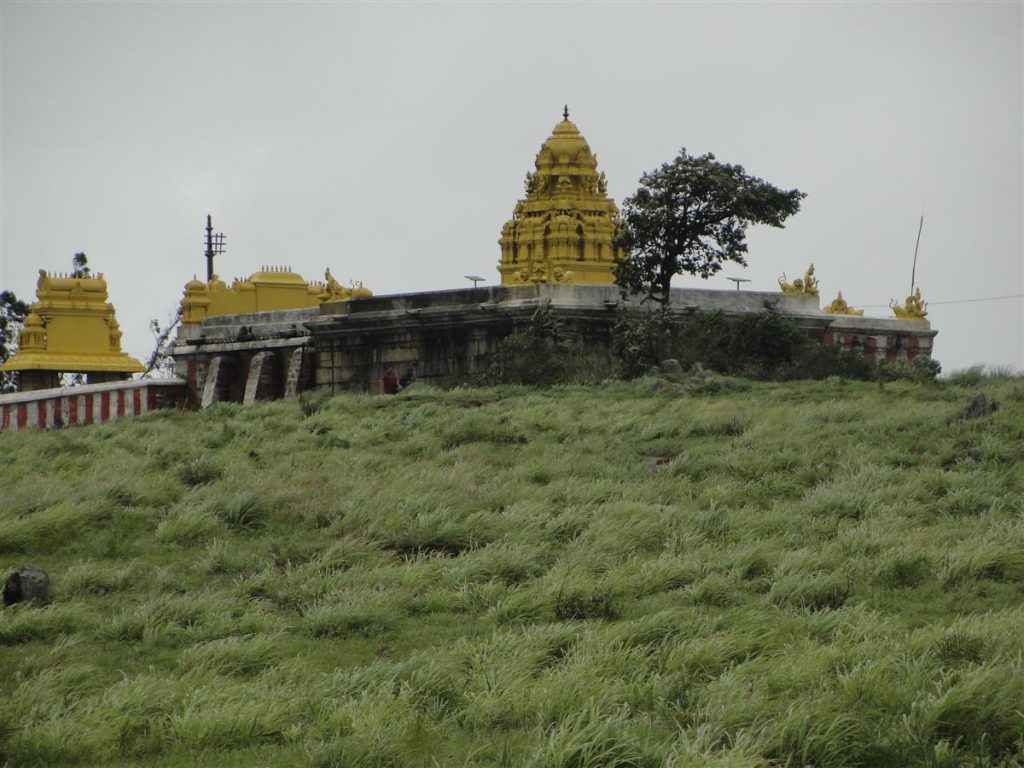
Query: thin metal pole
{"type": "Point", "coordinates": [209, 248]}
{"type": "Point", "coordinates": [913, 271]}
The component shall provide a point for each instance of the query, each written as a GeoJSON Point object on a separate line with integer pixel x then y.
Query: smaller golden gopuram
{"type": "Point", "coordinates": [805, 286]}
{"type": "Point", "coordinates": [70, 328]}
{"type": "Point", "coordinates": [912, 308]}
{"type": "Point", "coordinates": [840, 307]}
{"type": "Point", "coordinates": [270, 289]}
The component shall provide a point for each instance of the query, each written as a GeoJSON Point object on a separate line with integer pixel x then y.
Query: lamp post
{"type": "Point", "coordinates": [214, 246]}
{"type": "Point", "coordinates": [739, 280]}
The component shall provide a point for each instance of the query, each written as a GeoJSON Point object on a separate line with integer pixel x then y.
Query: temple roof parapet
{"type": "Point", "coordinates": [272, 288]}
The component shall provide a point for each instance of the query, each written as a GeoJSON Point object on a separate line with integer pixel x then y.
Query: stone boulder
{"type": "Point", "coordinates": [671, 367]}
{"type": "Point", "coordinates": [980, 406]}
{"type": "Point", "coordinates": [28, 584]}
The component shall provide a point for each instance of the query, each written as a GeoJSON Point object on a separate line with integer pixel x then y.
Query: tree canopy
{"type": "Point", "coordinates": [690, 216]}
{"type": "Point", "coordinates": [13, 312]}
{"type": "Point", "coordinates": [80, 265]}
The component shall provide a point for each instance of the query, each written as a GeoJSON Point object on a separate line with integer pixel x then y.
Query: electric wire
{"type": "Point", "coordinates": [955, 301]}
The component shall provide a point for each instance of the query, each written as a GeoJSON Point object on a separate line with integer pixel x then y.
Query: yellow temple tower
{"type": "Point", "coordinates": [71, 328]}
{"type": "Point", "coordinates": [563, 230]}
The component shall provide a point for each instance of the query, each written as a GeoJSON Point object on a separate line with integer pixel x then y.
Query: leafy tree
{"type": "Point", "coordinates": [545, 353]}
{"type": "Point", "coordinates": [13, 312]}
{"type": "Point", "coordinates": [80, 265]}
{"type": "Point", "coordinates": [691, 215]}
{"type": "Point", "coordinates": [160, 363]}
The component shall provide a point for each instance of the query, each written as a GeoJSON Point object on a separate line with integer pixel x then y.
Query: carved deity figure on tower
{"type": "Point", "coordinates": [840, 307]}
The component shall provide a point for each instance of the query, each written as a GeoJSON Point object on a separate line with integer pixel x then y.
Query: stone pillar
{"type": "Point", "coordinates": [299, 364]}
{"type": "Point", "coordinates": [30, 381]}
{"type": "Point", "coordinates": [216, 380]}
{"type": "Point", "coordinates": [260, 383]}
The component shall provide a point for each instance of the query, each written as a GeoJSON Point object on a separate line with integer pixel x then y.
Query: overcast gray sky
{"type": "Point", "coordinates": [390, 141]}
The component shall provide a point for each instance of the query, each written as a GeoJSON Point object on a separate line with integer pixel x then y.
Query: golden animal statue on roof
{"type": "Point", "coordinates": [840, 307]}
{"type": "Point", "coordinates": [913, 308]}
{"type": "Point", "coordinates": [806, 286]}
{"type": "Point", "coordinates": [564, 230]}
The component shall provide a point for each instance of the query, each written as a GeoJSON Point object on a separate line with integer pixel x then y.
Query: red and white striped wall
{"type": "Point", "coordinates": [880, 346]}
{"type": "Point", "coordinates": [88, 404]}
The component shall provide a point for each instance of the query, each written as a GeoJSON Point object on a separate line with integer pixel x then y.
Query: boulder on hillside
{"type": "Point", "coordinates": [979, 407]}
{"type": "Point", "coordinates": [671, 367]}
{"type": "Point", "coordinates": [30, 585]}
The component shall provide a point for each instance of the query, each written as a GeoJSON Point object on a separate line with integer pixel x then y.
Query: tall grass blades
{"type": "Point", "coordinates": [815, 573]}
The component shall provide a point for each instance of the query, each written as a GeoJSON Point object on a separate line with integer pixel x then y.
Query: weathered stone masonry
{"type": "Point", "coordinates": [450, 336]}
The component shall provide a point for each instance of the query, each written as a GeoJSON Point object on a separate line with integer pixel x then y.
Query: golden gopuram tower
{"type": "Point", "coordinates": [563, 230]}
{"type": "Point", "coordinates": [70, 328]}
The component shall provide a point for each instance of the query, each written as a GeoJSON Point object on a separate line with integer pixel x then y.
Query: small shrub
{"type": "Point", "coordinates": [187, 524]}
{"type": "Point", "coordinates": [714, 591]}
{"type": "Point", "coordinates": [88, 578]}
{"type": "Point", "coordinates": [967, 377]}
{"type": "Point", "coordinates": [600, 605]}
{"type": "Point", "coordinates": [343, 621]}
{"type": "Point", "coordinates": [641, 341]}
{"type": "Point", "coordinates": [728, 428]}
{"type": "Point", "coordinates": [544, 354]}
{"type": "Point", "coordinates": [592, 739]}
{"type": "Point", "coordinates": [812, 593]}
{"type": "Point", "coordinates": [244, 511]}
{"type": "Point", "coordinates": [199, 471]}
{"type": "Point", "coordinates": [983, 713]}
{"type": "Point", "coordinates": [312, 402]}
{"type": "Point", "coordinates": [920, 370]}
{"type": "Point", "coordinates": [239, 655]}
{"type": "Point", "coordinates": [904, 570]}
{"type": "Point", "coordinates": [959, 646]}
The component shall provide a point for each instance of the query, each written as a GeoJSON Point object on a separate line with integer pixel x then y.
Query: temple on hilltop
{"type": "Point", "coordinates": [564, 230]}
{"type": "Point", "coordinates": [70, 328]}
{"type": "Point", "coordinates": [557, 251]}
{"type": "Point", "coordinates": [275, 334]}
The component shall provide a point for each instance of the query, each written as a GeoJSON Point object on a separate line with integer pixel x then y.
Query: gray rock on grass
{"type": "Point", "coordinates": [30, 585]}
{"type": "Point", "coordinates": [979, 407]}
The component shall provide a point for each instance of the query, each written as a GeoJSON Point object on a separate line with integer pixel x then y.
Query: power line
{"type": "Point", "coordinates": [957, 301]}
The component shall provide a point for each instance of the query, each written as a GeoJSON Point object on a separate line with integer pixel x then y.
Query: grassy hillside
{"type": "Point", "coordinates": [826, 574]}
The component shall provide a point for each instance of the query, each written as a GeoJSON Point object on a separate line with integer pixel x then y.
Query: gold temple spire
{"type": "Point", "coordinates": [564, 229]}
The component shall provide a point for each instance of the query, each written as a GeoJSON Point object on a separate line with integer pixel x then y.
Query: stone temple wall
{"type": "Point", "coordinates": [450, 336]}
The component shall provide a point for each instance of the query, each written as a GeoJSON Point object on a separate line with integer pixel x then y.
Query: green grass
{"type": "Point", "coordinates": [803, 574]}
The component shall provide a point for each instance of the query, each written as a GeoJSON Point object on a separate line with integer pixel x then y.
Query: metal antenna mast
{"type": "Point", "coordinates": [913, 271]}
{"type": "Point", "coordinates": [214, 246]}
